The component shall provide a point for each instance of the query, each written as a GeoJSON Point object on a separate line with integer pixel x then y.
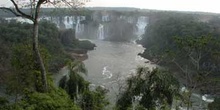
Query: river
{"type": "Point", "coordinates": [110, 59]}
{"type": "Point", "coordinates": [112, 62]}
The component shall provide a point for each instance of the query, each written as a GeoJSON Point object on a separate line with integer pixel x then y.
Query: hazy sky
{"type": "Point", "coordinates": [181, 5]}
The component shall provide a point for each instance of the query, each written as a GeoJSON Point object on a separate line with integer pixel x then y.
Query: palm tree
{"type": "Point", "coordinates": [73, 82]}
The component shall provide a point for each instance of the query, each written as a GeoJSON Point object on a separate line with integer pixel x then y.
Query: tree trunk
{"type": "Point", "coordinates": [188, 102]}
{"type": "Point", "coordinates": [38, 57]}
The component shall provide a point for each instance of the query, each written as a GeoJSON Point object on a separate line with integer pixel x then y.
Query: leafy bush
{"type": "Point", "coordinates": [56, 99]}
{"type": "Point", "coordinates": [155, 88]}
{"type": "Point", "coordinates": [214, 105]}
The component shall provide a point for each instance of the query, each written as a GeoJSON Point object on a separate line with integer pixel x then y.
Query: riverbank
{"type": "Point", "coordinates": [201, 96]}
{"type": "Point", "coordinates": [80, 57]}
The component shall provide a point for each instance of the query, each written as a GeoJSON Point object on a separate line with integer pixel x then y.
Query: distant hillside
{"type": "Point", "coordinates": [113, 8]}
{"type": "Point", "coordinates": [87, 10]}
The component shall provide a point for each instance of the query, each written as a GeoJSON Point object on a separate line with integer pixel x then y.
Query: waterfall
{"type": "Point", "coordinates": [79, 27]}
{"type": "Point", "coordinates": [141, 24]}
{"type": "Point", "coordinates": [105, 18]}
{"type": "Point", "coordinates": [68, 22]}
{"type": "Point", "coordinates": [101, 32]}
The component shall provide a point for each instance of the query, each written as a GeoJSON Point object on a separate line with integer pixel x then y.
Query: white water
{"type": "Point", "coordinates": [101, 32]}
{"type": "Point", "coordinates": [112, 62]}
{"type": "Point", "coordinates": [106, 73]}
{"type": "Point", "coordinates": [141, 24]}
{"type": "Point", "coordinates": [79, 27]}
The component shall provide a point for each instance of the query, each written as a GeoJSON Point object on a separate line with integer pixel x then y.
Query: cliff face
{"type": "Point", "coordinates": [102, 26]}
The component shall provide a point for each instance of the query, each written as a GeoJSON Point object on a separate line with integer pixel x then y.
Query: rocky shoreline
{"type": "Point", "coordinates": [80, 57]}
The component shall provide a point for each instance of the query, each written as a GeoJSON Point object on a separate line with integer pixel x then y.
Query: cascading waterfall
{"type": "Point", "coordinates": [141, 24]}
{"type": "Point", "coordinates": [79, 27]}
{"type": "Point", "coordinates": [105, 18]}
{"type": "Point", "coordinates": [101, 32]}
{"type": "Point", "coordinates": [68, 22]}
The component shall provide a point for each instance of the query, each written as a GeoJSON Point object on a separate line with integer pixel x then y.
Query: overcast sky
{"type": "Point", "coordinates": [180, 5]}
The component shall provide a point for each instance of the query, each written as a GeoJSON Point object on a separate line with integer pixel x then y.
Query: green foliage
{"type": "Point", "coordinates": [74, 83]}
{"type": "Point", "coordinates": [159, 35]}
{"type": "Point", "coordinates": [185, 45]}
{"type": "Point", "coordinates": [78, 89]}
{"type": "Point", "coordinates": [25, 74]}
{"type": "Point", "coordinates": [156, 88]}
{"type": "Point", "coordinates": [67, 38]}
{"type": "Point", "coordinates": [50, 38]}
{"type": "Point", "coordinates": [214, 105]}
{"type": "Point", "coordinates": [65, 12]}
{"type": "Point", "coordinates": [17, 58]}
{"type": "Point", "coordinates": [14, 33]}
{"type": "Point", "coordinates": [138, 107]}
{"type": "Point", "coordinates": [84, 44]}
{"type": "Point", "coordinates": [94, 100]}
{"type": "Point", "coordinates": [4, 104]}
{"type": "Point", "coordinates": [3, 101]}
{"type": "Point", "coordinates": [173, 33]}
{"type": "Point", "coordinates": [23, 70]}
{"type": "Point", "coordinates": [56, 99]}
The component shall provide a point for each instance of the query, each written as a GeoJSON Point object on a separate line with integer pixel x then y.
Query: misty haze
{"type": "Point", "coordinates": [109, 55]}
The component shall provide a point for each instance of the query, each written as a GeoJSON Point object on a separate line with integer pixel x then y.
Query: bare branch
{"type": "Point", "coordinates": [10, 10]}
{"type": "Point", "coordinates": [177, 64]}
{"type": "Point", "coordinates": [194, 61]}
{"type": "Point", "coordinates": [74, 5]}
{"type": "Point", "coordinates": [20, 12]}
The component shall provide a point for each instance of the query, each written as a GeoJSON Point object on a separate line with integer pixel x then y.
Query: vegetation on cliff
{"type": "Point", "coordinates": [189, 47]}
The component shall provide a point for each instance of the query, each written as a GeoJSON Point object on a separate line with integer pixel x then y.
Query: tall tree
{"type": "Point", "coordinates": [35, 6]}
{"type": "Point", "coordinates": [149, 89]}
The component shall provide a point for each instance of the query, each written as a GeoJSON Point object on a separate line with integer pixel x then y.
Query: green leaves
{"type": "Point", "coordinates": [156, 87]}
{"type": "Point", "coordinates": [94, 100]}
{"type": "Point", "coordinates": [215, 105]}
{"type": "Point", "coordinates": [54, 100]}
{"type": "Point", "coordinates": [78, 88]}
{"type": "Point", "coordinates": [196, 43]}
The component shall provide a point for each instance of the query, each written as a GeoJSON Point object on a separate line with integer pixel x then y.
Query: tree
{"type": "Point", "coordinates": [188, 47]}
{"type": "Point", "coordinates": [35, 7]}
{"type": "Point", "coordinates": [74, 83]}
{"type": "Point", "coordinates": [214, 105]}
{"type": "Point", "coordinates": [55, 99]}
{"type": "Point", "coordinates": [79, 91]}
{"type": "Point", "coordinates": [94, 99]}
{"type": "Point", "coordinates": [191, 55]}
{"type": "Point", "coordinates": [23, 71]}
{"type": "Point", "coordinates": [149, 89]}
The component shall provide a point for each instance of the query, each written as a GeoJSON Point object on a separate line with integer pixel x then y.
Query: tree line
{"type": "Point", "coordinates": [189, 47]}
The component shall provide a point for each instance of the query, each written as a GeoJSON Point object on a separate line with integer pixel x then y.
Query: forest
{"type": "Point", "coordinates": [188, 47]}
